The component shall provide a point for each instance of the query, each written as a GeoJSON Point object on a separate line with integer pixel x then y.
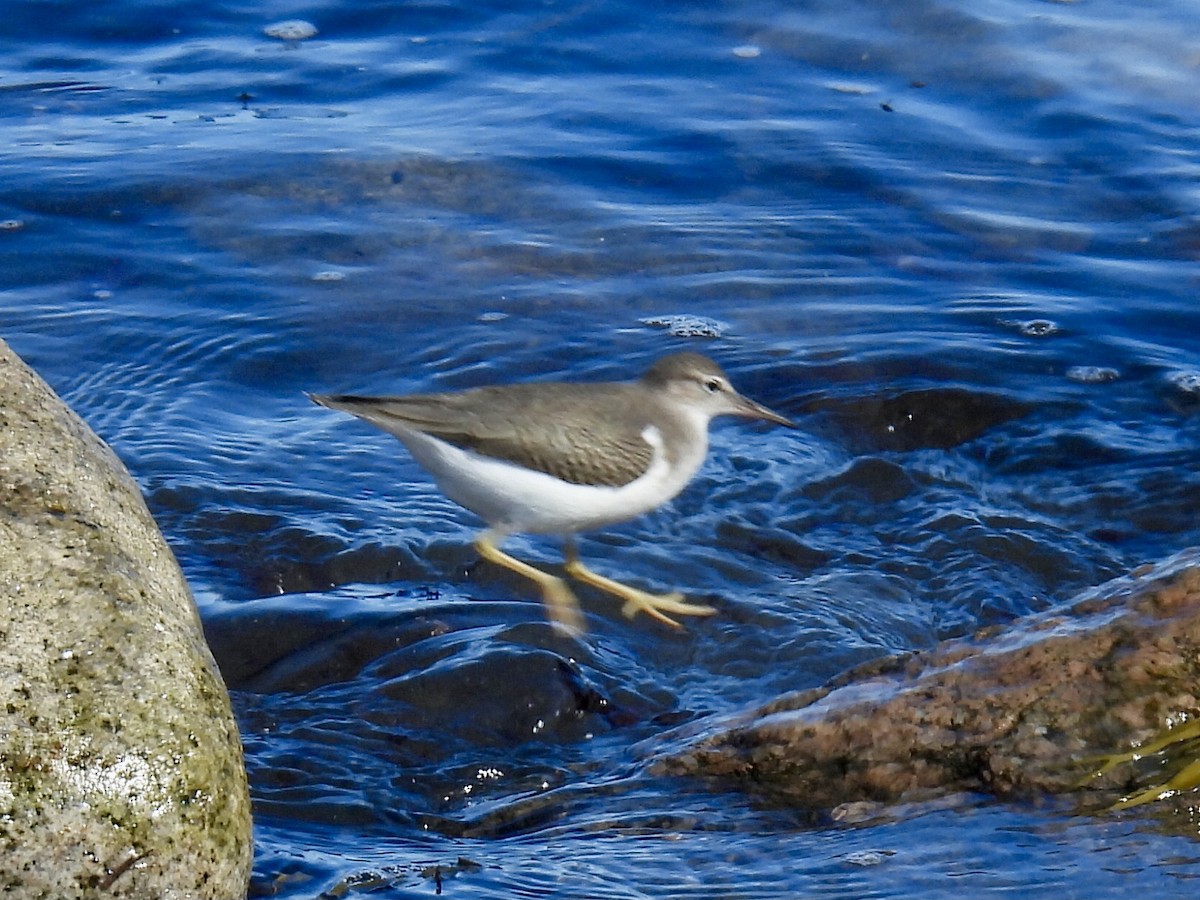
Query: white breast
{"type": "Point", "coordinates": [516, 499]}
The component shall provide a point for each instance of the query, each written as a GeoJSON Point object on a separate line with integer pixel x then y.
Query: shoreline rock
{"type": "Point", "coordinates": [1038, 707]}
{"type": "Point", "coordinates": [121, 771]}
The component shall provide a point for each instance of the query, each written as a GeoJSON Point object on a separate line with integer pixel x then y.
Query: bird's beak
{"type": "Point", "coordinates": [752, 410]}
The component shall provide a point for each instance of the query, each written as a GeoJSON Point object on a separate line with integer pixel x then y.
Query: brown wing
{"type": "Point", "coordinates": [572, 433]}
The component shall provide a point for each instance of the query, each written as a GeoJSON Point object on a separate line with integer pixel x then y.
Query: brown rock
{"type": "Point", "coordinates": [1026, 710]}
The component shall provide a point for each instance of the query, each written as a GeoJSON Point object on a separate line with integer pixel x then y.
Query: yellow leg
{"type": "Point", "coordinates": [561, 605]}
{"type": "Point", "coordinates": [654, 605]}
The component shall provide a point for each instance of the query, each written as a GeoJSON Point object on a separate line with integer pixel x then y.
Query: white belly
{"type": "Point", "coordinates": [515, 499]}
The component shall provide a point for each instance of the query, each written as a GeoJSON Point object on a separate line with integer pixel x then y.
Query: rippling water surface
{"type": "Point", "coordinates": [956, 242]}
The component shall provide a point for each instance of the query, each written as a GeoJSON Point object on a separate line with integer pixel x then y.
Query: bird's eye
{"type": "Point", "coordinates": [713, 385]}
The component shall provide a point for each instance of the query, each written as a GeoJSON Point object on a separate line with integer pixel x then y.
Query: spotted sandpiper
{"type": "Point", "coordinates": [565, 457]}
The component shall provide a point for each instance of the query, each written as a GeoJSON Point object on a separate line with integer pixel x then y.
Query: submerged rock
{"type": "Point", "coordinates": [1027, 709]}
{"type": "Point", "coordinates": [121, 768]}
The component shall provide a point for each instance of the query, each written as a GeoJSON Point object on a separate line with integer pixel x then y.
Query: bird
{"type": "Point", "coordinates": [562, 458]}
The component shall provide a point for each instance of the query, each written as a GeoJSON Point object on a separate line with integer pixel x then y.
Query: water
{"type": "Point", "coordinates": [956, 242]}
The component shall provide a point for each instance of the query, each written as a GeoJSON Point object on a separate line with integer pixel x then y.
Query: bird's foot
{"type": "Point", "coordinates": [562, 606]}
{"type": "Point", "coordinates": [658, 605]}
{"type": "Point", "coordinates": [654, 605]}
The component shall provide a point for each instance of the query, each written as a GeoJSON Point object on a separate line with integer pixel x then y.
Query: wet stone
{"type": "Point", "coordinates": [912, 420]}
{"type": "Point", "coordinates": [1026, 710]}
{"type": "Point", "coordinates": [120, 762]}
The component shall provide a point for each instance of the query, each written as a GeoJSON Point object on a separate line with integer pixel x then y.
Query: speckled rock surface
{"type": "Point", "coordinates": [1021, 710]}
{"type": "Point", "coordinates": [121, 769]}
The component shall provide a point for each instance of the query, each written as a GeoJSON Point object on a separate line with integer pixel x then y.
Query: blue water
{"type": "Point", "coordinates": [956, 242]}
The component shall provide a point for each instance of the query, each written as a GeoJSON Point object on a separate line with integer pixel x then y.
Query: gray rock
{"type": "Point", "coordinates": [121, 771]}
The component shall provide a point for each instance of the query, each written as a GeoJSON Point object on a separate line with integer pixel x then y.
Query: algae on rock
{"type": "Point", "coordinates": [1062, 702]}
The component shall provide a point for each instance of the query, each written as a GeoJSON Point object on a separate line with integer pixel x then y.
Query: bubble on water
{"type": "Point", "coordinates": [1093, 374]}
{"type": "Point", "coordinates": [329, 275]}
{"type": "Point", "coordinates": [687, 325]}
{"type": "Point", "coordinates": [291, 30]}
{"type": "Point", "coordinates": [1187, 381]}
{"type": "Point", "coordinates": [1038, 328]}
{"type": "Point", "coordinates": [868, 857]}
{"type": "Point", "coordinates": [493, 316]}
{"type": "Point", "coordinates": [856, 811]}
{"type": "Point", "coordinates": [845, 87]}
{"type": "Point", "coordinates": [12, 225]}
{"type": "Point", "coordinates": [747, 51]}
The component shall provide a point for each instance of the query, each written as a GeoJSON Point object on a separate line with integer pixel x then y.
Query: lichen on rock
{"type": "Point", "coordinates": [121, 769]}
